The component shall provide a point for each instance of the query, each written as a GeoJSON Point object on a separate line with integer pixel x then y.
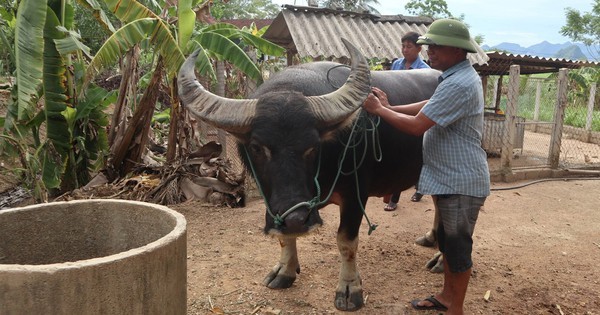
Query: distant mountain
{"type": "Point", "coordinates": [571, 53]}
{"type": "Point", "coordinates": [511, 47]}
{"type": "Point", "coordinates": [568, 50]}
{"type": "Point", "coordinates": [592, 53]}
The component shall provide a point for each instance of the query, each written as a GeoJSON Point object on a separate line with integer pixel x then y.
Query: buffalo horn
{"type": "Point", "coordinates": [232, 115]}
{"type": "Point", "coordinates": [335, 107]}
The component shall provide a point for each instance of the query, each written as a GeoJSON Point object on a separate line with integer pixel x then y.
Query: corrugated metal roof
{"type": "Point", "coordinates": [500, 62]}
{"type": "Point", "coordinates": [316, 32]}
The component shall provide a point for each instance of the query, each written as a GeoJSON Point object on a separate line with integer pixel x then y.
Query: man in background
{"type": "Point", "coordinates": [411, 60]}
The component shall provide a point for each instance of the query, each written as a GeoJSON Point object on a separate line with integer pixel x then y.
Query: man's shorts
{"type": "Point", "coordinates": [458, 215]}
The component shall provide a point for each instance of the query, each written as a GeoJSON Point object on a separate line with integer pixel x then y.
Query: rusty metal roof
{"type": "Point", "coordinates": [500, 62]}
{"type": "Point", "coordinates": [316, 32]}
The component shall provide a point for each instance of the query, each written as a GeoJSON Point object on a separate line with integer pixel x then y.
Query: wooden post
{"type": "Point", "coordinates": [251, 85]}
{"type": "Point", "coordinates": [510, 121]}
{"type": "Point", "coordinates": [559, 118]}
{"type": "Point", "coordinates": [495, 93]}
{"type": "Point", "coordinates": [538, 97]}
{"type": "Point", "coordinates": [290, 57]}
{"type": "Point", "coordinates": [590, 112]}
{"type": "Point", "coordinates": [498, 93]}
{"type": "Point", "coordinates": [484, 82]}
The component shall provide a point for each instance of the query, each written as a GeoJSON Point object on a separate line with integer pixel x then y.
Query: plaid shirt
{"type": "Point", "coordinates": [453, 159]}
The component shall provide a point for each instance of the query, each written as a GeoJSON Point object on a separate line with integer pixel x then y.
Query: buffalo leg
{"type": "Point", "coordinates": [283, 275]}
{"type": "Point", "coordinates": [349, 293]}
{"type": "Point", "coordinates": [430, 237]}
{"type": "Point", "coordinates": [435, 264]}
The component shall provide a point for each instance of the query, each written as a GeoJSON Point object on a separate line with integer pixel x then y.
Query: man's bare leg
{"type": "Point", "coordinates": [454, 291]}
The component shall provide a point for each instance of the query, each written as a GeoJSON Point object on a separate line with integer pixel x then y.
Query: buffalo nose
{"type": "Point", "coordinates": [294, 223]}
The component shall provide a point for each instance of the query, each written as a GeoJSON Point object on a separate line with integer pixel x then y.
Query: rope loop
{"type": "Point", "coordinates": [277, 220]}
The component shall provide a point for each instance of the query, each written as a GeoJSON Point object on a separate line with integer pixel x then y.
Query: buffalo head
{"type": "Point", "coordinates": [280, 132]}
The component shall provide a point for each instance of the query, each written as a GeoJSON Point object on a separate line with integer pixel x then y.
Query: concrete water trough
{"type": "Point", "coordinates": [92, 257]}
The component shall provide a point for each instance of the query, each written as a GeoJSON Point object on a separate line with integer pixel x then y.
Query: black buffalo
{"type": "Point", "coordinates": [294, 132]}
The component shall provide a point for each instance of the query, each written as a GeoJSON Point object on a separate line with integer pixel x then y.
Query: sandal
{"type": "Point", "coordinates": [416, 197]}
{"type": "Point", "coordinates": [390, 206]}
{"type": "Point", "coordinates": [435, 304]}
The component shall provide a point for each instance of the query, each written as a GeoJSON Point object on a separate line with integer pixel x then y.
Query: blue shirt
{"type": "Point", "coordinates": [453, 160]}
{"type": "Point", "coordinates": [400, 64]}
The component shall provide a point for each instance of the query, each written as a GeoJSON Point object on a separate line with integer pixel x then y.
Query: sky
{"type": "Point", "coordinates": [523, 22]}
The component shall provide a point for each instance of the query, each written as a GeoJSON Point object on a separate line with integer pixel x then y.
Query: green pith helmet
{"type": "Point", "coordinates": [448, 32]}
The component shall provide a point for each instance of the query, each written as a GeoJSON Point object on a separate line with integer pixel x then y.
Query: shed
{"type": "Point", "coordinates": [315, 32]}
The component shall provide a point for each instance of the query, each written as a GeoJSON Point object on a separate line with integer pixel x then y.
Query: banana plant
{"type": "Point", "coordinates": [46, 97]}
{"type": "Point", "coordinates": [7, 26]}
{"type": "Point", "coordinates": [216, 40]}
{"type": "Point", "coordinates": [171, 43]}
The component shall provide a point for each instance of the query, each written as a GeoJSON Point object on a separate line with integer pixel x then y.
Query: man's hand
{"type": "Point", "coordinates": [381, 96]}
{"type": "Point", "coordinates": [376, 100]}
{"type": "Point", "coordinates": [372, 104]}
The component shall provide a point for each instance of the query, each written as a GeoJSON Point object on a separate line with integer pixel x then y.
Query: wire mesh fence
{"type": "Point", "coordinates": [545, 121]}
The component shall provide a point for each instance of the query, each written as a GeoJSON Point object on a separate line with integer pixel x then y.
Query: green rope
{"type": "Point", "coordinates": [354, 140]}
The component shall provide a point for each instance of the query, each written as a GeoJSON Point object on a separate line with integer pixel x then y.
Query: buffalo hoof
{"type": "Point", "coordinates": [436, 264]}
{"type": "Point", "coordinates": [425, 241]}
{"type": "Point", "coordinates": [274, 280]}
{"type": "Point", "coordinates": [349, 301]}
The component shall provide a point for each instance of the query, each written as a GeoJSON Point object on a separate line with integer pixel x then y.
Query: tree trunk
{"type": "Point", "coordinates": [221, 134]}
{"type": "Point", "coordinates": [127, 90]}
{"type": "Point", "coordinates": [174, 123]}
{"type": "Point", "coordinates": [128, 152]}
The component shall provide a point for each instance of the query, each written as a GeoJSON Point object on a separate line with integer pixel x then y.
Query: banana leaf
{"type": "Point", "coordinates": [29, 43]}
{"type": "Point", "coordinates": [56, 99]}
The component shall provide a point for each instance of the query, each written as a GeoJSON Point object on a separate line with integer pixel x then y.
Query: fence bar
{"type": "Point", "coordinates": [535, 123]}
{"type": "Point", "coordinates": [559, 118]}
{"type": "Point", "coordinates": [510, 121]}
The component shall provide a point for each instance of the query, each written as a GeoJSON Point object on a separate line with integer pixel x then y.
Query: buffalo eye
{"type": "Point", "coordinates": [309, 153]}
{"type": "Point", "coordinates": [259, 150]}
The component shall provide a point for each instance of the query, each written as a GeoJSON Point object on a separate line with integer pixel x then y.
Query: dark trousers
{"type": "Point", "coordinates": [396, 196]}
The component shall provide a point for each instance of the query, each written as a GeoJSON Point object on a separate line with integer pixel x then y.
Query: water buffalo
{"type": "Point", "coordinates": [294, 132]}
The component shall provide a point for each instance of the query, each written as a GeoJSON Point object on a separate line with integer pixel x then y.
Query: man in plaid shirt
{"type": "Point", "coordinates": [455, 170]}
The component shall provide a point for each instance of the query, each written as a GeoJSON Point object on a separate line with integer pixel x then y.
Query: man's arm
{"type": "Point", "coordinates": [411, 124]}
{"type": "Point", "coordinates": [408, 109]}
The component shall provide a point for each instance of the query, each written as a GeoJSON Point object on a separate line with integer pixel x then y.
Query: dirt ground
{"type": "Point", "coordinates": [536, 251]}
